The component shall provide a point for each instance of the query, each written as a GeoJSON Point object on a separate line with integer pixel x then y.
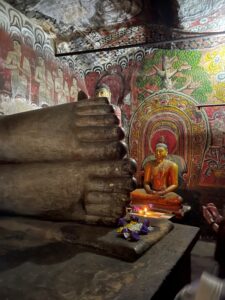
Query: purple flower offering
{"type": "Point", "coordinates": [134, 236]}
{"type": "Point", "coordinates": [125, 233]}
{"type": "Point", "coordinates": [121, 222]}
{"type": "Point", "coordinates": [144, 229]}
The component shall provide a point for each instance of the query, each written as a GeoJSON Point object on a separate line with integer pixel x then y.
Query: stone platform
{"type": "Point", "coordinates": [51, 269]}
{"type": "Point", "coordinates": [20, 234]}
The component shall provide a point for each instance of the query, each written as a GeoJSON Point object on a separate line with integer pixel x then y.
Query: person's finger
{"type": "Point", "coordinates": [96, 120]}
{"type": "Point", "coordinates": [96, 133]}
{"type": "Point", "coordinates": [211, 204]}
{"type": "Point", "coordinates": [207, 215]}
{"type": "Point", "coordinates": [205, 212]}
{"type": "Point", "coordinates": [214, 211]}
{"type": "Point", "coordinates": [111, 185]}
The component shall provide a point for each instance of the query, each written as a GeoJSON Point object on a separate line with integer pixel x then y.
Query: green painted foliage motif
{"type": "Point", "coordinates": [174, 70]}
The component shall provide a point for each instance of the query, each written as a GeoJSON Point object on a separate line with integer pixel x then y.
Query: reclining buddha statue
{"type": "Point", "coordinates": [160, 181]}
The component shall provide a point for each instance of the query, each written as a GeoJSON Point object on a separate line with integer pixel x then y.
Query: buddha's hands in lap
{"type": "Point", "coordinates": [155, 193]}
{"type": "Point", "coordinates": [160, 193]}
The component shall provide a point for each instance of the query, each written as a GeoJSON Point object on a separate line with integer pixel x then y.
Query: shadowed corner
{"type": "Point", "coordinates": [121, 149]}
{"type": "Point", "coordinates": [134, 183]}
{"type": "Point", "coordinates": [48, 254]}
{"type": "Point", "coordinates": [133, 164]}
{"type": "Point", "coordinates": [120, 133]}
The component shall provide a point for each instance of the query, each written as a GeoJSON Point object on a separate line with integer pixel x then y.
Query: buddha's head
{"type": "Point", "coordinates": [103, 91]}
{"type": "Point", "coordinates": [161, 151]}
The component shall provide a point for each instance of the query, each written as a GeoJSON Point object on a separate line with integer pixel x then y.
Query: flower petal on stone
{"type": "Point", "coordinates": [134, 236]}
{"type": "Point", "coordinates": [144, 229]}
{"type": "Point", "coordinates": [126, 233]}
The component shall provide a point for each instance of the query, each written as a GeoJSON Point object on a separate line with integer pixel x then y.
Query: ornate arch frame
{"type": "Point", "coordinates": [176, 115]}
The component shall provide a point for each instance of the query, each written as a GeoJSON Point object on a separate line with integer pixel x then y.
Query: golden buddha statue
{"type": "Point", "coordinates": [104, 91]}
{"type": "Point", "coordinates": [160, 181]}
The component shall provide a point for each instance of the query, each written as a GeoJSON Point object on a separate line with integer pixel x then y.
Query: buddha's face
{"type": "Point", "coordinates": [103, 93]}
{"type": "Point", "coordinates": [160, 153]}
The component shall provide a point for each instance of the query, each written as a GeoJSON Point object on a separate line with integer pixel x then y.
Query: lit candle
{"type": "Point", "coordinates": [145, 211]}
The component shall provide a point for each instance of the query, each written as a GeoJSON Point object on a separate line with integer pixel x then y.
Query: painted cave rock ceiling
{"type": "Point", "coordinates": [91, 24]}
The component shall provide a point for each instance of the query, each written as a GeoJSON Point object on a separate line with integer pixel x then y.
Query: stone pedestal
{"type": "Point", "coordinates": [59, 270]}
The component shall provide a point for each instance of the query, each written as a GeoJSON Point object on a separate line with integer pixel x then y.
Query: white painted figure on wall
{"type": "Point", "coordinates": [50, 88]}
{"type": "Point", "coordinates": [41, 79]}
{"type": "Point", "coordinates": [59, 88]}
{"type": "Point", "coordinates": [19, 65]}
{"type": "Point", "coordinates": [66, 92]}
{"type": "Point", "coordinates": [74, 91]}
{"type": "Point", "coordinates": [24, 89]}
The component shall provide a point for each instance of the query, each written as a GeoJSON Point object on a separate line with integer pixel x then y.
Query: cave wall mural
{"type": "Point", "coordinates": [31, 76]}
{"type": "Point", "coordinates": [159, 90]}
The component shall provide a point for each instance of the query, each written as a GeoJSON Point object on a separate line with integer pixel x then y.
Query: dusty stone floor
{"type": "Point", "coordinates": [202, 259]}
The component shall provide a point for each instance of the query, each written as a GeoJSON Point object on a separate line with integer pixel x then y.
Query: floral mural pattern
{"type": "Point", "coordinates": [197, 75]}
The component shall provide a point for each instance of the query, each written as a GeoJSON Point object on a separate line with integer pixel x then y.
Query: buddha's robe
{"type": "Point", "coordinates": [160, 181]}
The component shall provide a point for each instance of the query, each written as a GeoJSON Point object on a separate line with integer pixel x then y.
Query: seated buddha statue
{"type": "Point", "coordinates": [160, 181]}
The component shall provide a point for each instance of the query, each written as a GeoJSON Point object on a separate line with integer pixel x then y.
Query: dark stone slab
{"type": "Point", "coordinates": [62, 271]}
{"type": "Point", "coordinates": [22, 233]}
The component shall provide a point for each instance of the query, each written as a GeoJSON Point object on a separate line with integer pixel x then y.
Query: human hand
{"type": "Point", "coordinates": [211, 216]}
{"type": "Point", "coordinates": [207, 215]}
{"type": "Point", "coordinates": [148, 189]}
{"type": "Point", "coordinates": [161, 193]}
{"type": "Point", "coordinates": [215, 213]}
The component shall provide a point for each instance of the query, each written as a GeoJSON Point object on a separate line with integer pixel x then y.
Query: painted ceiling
{"type": "Point", "coordinates": [89, 25]}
